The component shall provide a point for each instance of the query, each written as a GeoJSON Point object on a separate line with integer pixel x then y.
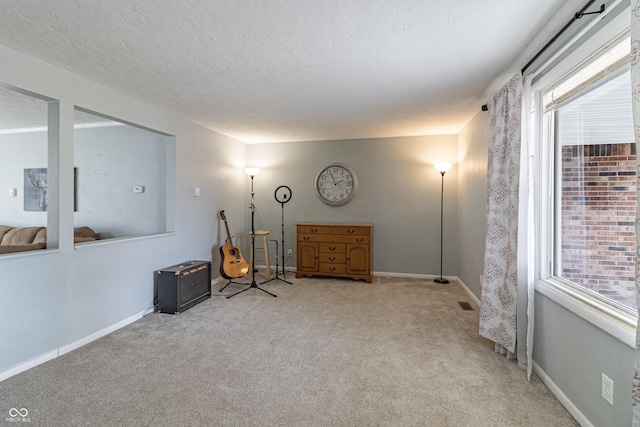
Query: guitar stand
{"type": "Point", "coordinates": [230, 282]}
{"type": "Point", "coordinates": [276, 276]}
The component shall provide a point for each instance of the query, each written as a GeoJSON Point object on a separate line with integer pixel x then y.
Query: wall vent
{"type": "Point", "coordinates": [465, 305]}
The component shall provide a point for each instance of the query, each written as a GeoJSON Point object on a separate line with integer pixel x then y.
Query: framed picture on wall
{"type": "Point", "coordinates": [36, 188]}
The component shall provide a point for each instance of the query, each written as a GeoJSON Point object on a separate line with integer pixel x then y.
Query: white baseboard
{"type": "Point", "coordinates": [475, 299]}
{"type": "Point", "coordinates": [101, 333]}
{"type": "Point", "coordinates": [411, 275]}
{"type": "Point", "coordinates": [25, 366]}
{"type": "Point", "coordinates": [67, 348]}
{"type": "Point", "coordinates": [562, 398]}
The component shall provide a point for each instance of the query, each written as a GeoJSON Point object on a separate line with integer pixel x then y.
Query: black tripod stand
{"type": "Point", "coordinates": [252, 207]}
{"type": "Point", "coordinates": [282, 195]}
{"type": "Point", "coordinates": [230, 282]}
{"type": "Point", "coordinates": [276, 276]}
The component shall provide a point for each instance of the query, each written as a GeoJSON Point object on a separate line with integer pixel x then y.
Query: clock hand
{"type": "Point", "coordinates": [332, 178]}
{"type": "Point", "coordinates": [336, 183]}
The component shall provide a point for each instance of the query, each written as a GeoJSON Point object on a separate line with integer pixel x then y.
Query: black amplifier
{"type": "Point", "coordinates": [182, 286]}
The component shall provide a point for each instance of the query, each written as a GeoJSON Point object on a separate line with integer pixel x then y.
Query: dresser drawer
{"type": "Point", "coordinates": [335, 258]}
{"type": "Point", "coordinates": [343, 238]}
{"type": "Point", "coordinates": [333, 268]}
{"type": "Point", "coordinates": [315, 229]}
{"type": "Point", "coordinates": [351, 231]}
{"type": "Point", "coordinates": [334, 248]}
{"type": "Point", "coordinates": [365, 240]}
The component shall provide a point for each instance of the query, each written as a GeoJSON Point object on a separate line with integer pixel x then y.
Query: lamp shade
{"type": "Point", "coordinates": [252, 171]}
{"type": "Point", "coordinates": [442, 167]}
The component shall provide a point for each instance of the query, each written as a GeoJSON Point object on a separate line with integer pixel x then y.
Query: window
{"type": "Point", "coordinates": [124, 179]}
{"type": "Point", "coordinates": [28, 170]}
{"type": "Point", "coordinates": [588, 132]}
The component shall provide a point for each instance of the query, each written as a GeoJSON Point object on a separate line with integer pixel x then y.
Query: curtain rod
{"type": "Point", "coordinates": [576, 16]}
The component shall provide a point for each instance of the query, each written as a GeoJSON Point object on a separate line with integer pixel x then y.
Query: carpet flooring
{"type": "Point", "coordinates": [325, 352]}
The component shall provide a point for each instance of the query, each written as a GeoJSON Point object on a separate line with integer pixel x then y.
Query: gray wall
{"type": "Point", "coordinates": [399, 192]}
{"type": "Point", "coordinates": [473, 144]}
{"type": "Point", "coordinates": [574, 354]}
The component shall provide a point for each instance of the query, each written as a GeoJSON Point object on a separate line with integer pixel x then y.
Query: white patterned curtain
{"type": "Point", "coordinates": [635, 88]}
{"type": "Point", "coordinates": [504, 305]}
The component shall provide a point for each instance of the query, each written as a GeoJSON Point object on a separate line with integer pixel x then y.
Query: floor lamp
{"type": "Point", "coordinates": [442, 168]}
{"type": "Point", "coordinates": [252, 172]}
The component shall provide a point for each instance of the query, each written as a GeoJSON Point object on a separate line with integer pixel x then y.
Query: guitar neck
{"type": "Point", "coordinates": [226, 227]}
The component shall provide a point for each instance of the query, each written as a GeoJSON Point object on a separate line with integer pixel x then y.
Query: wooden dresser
{"type": "Point", "coordinates": [335, 250]}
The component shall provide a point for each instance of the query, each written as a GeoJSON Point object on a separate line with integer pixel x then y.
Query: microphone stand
{"type": "Point", "coordinates": [276, 276]}
{"type": "Point", "coordinates": [253, 284]}
{"type": "Point", "coordinates": [286, 196]}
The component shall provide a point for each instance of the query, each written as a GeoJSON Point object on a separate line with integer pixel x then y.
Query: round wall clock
{"type": "Point", "coordinates": [336, 184]}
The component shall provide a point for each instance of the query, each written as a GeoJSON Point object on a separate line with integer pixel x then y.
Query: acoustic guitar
{"type": "Point", "coordinates": [232, 264]}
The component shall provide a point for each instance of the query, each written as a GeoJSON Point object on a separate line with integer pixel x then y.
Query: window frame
{"type": "Point", "coordinates": [165, 188]}
{"type": "Point", "coordinates": [618, 322]}
{"type": "Point", "coordinates": [52, 129]}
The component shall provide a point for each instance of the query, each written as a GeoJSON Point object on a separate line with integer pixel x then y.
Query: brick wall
{"type": "Point", "coordinates": [598, 219]}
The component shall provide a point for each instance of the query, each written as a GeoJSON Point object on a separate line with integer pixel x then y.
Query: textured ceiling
{"type": "Point", "coordinates": [288, 70]}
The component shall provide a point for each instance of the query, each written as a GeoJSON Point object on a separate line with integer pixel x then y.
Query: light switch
{"type": "Point", "coordinates": [138, 188]}
{"type": "Point", "coordinates": [13, 192]}
{"type": "Point", "coordinates": [196, 192]}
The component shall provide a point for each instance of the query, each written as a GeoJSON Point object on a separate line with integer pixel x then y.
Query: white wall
{"type": "Point", "coordinates": [399, 192]}
{"type": "Point", "coordinates": [57, 298]}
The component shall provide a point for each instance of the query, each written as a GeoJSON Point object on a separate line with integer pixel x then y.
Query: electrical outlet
{"type": "Point", "coordinates": [289, 252]}
{"type": "Point", "coordinates": [607, 389]}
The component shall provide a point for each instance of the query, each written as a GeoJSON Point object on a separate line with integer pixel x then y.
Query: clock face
{"type": "Point", "coordinates": [336, 184]}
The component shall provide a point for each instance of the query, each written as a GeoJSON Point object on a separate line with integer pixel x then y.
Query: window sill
{"type": "Point", "coordinates": [111, 241]}
{"type": "Point", "coordinates": [617, 323]}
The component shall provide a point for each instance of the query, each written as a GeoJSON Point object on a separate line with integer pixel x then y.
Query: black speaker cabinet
{"type": "Point", "coordinates": [182, 286]}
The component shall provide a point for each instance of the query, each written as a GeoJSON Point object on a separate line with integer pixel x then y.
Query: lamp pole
{"type": "Point", "coordinates": [442, 168]}
{"type": "Point", "coordinates": [252, 172]}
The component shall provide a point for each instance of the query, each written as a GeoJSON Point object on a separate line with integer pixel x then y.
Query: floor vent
{"type": "Point", "coordinates": [465, 305]}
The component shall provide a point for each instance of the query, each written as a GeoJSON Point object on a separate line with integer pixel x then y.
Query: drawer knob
{"type": "Point", "coordinates": [314, 230]}
{"type": "Point", "coordinates": [332, 269]}
{"type": "Point", "coordinates": [351, 231]}
{"type": "Point", "coordinates": [332, 258]}
{"type": "Point", "coordinates": [332, 248]}
{"type": "Point", "coordinates": [359, 240]}
{"type": "Point", "coordinates": [305, 237]}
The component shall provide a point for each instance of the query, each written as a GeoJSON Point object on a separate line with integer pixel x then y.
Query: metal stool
{"type": "Point", "coordinates": [264, 249]}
